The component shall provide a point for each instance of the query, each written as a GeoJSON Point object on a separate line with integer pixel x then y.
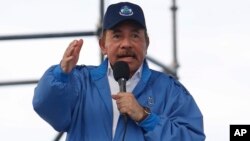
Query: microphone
{"type": "Point", "coordinates": [121, 74]}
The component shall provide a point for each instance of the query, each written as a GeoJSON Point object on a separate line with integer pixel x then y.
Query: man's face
{"type": "Point", "coordinates": [126, 42]}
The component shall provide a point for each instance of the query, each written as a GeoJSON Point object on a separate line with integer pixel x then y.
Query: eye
{"type": "Point", "coordinates": [116, 36]}
{"type": "Point", "coordinates": [135, 35]}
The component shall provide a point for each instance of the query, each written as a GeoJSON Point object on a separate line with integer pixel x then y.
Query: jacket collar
{"type": "Point", "coordinates": [99, 77]}
{"type": "Point", "coordinates": [102, 69]}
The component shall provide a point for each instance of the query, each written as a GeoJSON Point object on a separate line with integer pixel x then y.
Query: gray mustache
{"type": "Point", "coordinates": [127, 53]}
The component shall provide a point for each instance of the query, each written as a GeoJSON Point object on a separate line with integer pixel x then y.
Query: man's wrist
{"type": "Point", "coordinates": [149, 123]}
{"type": "Point", "coordinates": [60, 74]}
{"type": "Point", "coordinates": [146, 113]}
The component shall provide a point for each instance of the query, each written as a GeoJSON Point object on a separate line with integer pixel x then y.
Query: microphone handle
{"type": "Point", "coordinates": [122, 84]}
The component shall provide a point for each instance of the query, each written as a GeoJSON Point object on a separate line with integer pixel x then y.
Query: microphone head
{"type": "Point", "coordinates": [121, 70]}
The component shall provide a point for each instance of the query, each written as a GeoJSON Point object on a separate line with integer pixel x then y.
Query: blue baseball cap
{"type": "Point", "coordinates": [123, 11]}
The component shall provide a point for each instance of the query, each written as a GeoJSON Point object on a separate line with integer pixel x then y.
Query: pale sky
{"type": "Point", "coordinates": [213, 53]}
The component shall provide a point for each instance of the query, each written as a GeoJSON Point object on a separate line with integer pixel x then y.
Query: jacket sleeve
{"type": "Point", "coordinates": [180, 119]}
{"type": "Point", "coordinates": [55, 97]}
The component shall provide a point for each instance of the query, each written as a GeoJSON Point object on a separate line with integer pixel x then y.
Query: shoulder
{"type": "Point", "coordinates": [95, 72]}
{"type": "Point", "coordinates": [168, 81]}
{"type": "Point", "coordinates": [158, 76]}
{"type": "Point", "coordinates": [85, 67]}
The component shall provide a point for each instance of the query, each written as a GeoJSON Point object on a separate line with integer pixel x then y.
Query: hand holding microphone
{"type": "Point", "coordinates": [126, 102]}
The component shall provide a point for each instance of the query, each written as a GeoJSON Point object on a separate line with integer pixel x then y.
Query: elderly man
{"type": "Point", "coordinates": [85, 101]}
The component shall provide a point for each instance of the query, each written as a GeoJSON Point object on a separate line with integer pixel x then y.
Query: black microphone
{"type": "Point", "coordinates": [121, 74]}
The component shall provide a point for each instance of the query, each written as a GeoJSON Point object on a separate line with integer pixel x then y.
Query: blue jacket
{"type": "Point", "coordinates": [80, 104]}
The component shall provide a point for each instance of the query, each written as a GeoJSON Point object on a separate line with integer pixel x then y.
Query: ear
{"type": "Point", "coordinates": [147, 41]}
{"type": "Point", "coordinates": [102, 46]}
{"type": "Point", "coordinates": [147, 44]}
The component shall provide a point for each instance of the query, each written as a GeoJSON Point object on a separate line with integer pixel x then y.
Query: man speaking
{"type": "Point", "coordinates": [88, 103]}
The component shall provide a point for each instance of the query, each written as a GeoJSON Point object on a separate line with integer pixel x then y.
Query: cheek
{"type": "Point", "coordinates": [143, 53]}
{"type": "Point", "coordinates": [104, 52]}
{"type": "Point", "coordinates": [111, 54]}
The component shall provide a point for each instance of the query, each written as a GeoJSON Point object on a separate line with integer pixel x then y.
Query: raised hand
{"type": "Point", "coordinates": [71, 55]}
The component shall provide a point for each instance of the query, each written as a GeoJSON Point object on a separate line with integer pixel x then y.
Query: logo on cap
{"type": "Point", "coordinates": [126, 11]}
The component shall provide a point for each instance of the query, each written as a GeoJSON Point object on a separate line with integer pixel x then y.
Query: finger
{"type": "Point", "coordinates": [68, 59]}
{"type": "Point", "coordinates": [69, 52]}
{"type": "Point", "coordinates": [122, 105]}
{"type": "Point", "coordinates": [80, 42]}
{"type": "Point", "coordinates": [123, 110]}
{"type": "Point", "coordinates": [77, 48]}
{"type": "Point", "coordinates": [115, 97]}
{"type": "Point", "coordinates": [70, 49]}
{"type": "Point", "coordinates": [118, 96]}
{"type": "Point", "coordinates": [72, 43]}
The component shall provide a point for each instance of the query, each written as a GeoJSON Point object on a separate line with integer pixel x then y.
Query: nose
{"type": "Point", "coordinates": [126, 43]}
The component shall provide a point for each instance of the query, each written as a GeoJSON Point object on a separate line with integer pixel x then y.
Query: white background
{"type": "Point", "coordinates": [213, 53]}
